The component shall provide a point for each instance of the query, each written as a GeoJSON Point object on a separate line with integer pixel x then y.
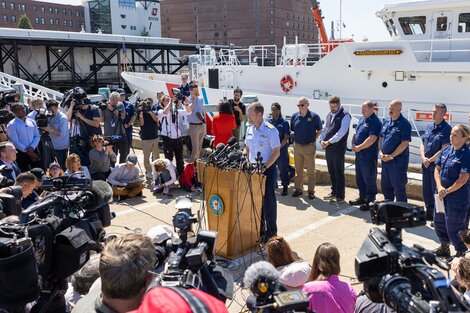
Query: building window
{"type": "Point", "coordinates": [57, 22]}
{"type": "Point", "coordinates": [65, 23]}
{"type": "Point", "coordinates": [12, 6]}
{"type": "Point", "coordinates": [21, 7]}
{"type": "Point", "coordinates": [43, 9]}
{"type": "Point", "coordinates": [4, 5]}
{"type": "Point", "coordinates": [35, 8]}
{"type": "Point", "coordinates": [51, 21]}
{"type": "Point", "coordinates": [36, 20]}
{"type": "Point", "coordinates": [50, 10]}
{"type": "Point", "coordinates": [464, 23]}
{"type": "Point", "coordinates": [5, 18]}
{"type": "Point", "coordinates": [78, 13]}
{"type": "Point", "coordinates": [70, 23]}
{"type": "Point", "coordinates": [13, 19]}
{"type": "Point", "coordinates": [413, 25]}
{"type": "Point", "coordinates": [56, 11]}
{"type": "Point", "coordinates": [43, 21]}
{"type": "Point", "coordinates": [70, 12]}
{"type": "Point", "coordinates": [127, 3]}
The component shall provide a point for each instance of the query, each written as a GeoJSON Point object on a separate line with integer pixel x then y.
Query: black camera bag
{"type": "Point", "coordinates": [71, 251]}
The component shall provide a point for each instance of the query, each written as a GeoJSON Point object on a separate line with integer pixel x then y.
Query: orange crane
{"type": "Point", "coordinates": [328, 45]}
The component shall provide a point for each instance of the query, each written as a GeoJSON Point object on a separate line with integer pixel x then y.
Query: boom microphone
{"type": "Point", "coordinates": [100, 195]}
{"type": "Point", "coordinates": [218, 149]}
{"type": "Point", "coordinates": [261, 277]}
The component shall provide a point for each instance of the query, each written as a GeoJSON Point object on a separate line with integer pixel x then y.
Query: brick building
{"type": "Point", "coordinates": [43, 15]}
{"type": "Point", "coordinates": [241, 22]}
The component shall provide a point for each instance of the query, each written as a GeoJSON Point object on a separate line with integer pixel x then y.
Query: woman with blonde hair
{"type": "Point", "coordinates": [74, 167]}
{"type": "Point", "coordinates": [293, 271]}
{"type": "Point", "coordinates": [326, 293]}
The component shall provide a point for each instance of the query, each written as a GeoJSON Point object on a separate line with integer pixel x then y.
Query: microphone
{"type": "Point", "coordinates": [220, 146]}
{"type": "Point", "coordinates": [232, 141]}
{"type": "Point", "coordinates": [261, 277]}
{"type": "Point", "coordinates": [259, 161]}
{"type": "Point", "coordinates": [100, 195]}
{"type": "Point", "coordinates": [232, 159]}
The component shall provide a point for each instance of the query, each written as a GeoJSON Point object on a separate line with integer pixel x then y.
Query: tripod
{"type": "Point", "coordinates": [76, 145]}
{"type": "Point", "coordinates": [46, 149]}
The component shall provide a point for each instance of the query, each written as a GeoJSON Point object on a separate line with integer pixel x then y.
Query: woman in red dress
{"type": "Point", "coordinates": [223, 124]}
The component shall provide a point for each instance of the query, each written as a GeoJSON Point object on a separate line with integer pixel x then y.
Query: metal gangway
{"type": "Point", "coordinates": [28, 89]}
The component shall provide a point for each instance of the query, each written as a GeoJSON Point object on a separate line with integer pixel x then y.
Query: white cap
{"type": "Point", "coordinates": [159, 233]}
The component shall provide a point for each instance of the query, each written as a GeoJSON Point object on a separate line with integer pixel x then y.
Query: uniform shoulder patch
{"type": "Point", "coordinates": [269, 125]}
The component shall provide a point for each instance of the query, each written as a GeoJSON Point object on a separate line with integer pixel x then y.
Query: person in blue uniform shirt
{"type": "Point", "coordinates": [282, 127]}
{"type": "Point", "coordinates": [262, 139]}
{"type": "Point", "coordinates": [453, 187]}
{"type": "Point", "coordinates": [366, 147]}
{"type": "Point", "coordinates": [435, 138]}
{"type": "Point", "coordinates": [394, 153]}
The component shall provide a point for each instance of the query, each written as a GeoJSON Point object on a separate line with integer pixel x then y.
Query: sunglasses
{"type": "Point", "coordinates": [300, 105]}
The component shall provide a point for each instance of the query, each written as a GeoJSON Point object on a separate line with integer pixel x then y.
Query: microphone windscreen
{"type": "Point", "coordinates": [258, 271]}
{"type": "Point", "coordinates": [219, 147]}
{"type": "Point", "coordinates": [231, 141]}
{"type": "Point", "coordinates": [102, 193]}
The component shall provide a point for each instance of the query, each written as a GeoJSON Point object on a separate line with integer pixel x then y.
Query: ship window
{"type": "Point", "coordinates": [441, 24]}
{"type": "Point", "coordinates": [413, 25]}
{"type": "Point", "coordinates": [464, 23]}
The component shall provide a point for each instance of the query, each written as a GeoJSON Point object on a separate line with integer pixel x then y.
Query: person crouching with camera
{"type": "Point", "coordinates": [171, 132]}
{"type": "Point", "coordinates": [58, 129]}
{"type": "Point", "coordinates": [164, 176]}
{"type": "Point", "coordinates": [101, 157]}
{"type": "Point", "coordinates": [148, 120]}
{"type": "Point", "coordinates": [125, 179]}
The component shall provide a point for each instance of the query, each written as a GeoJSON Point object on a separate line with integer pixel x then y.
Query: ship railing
{"type": "Point", "coordinates": [29, 89]}
{"type": "Point", "coordinates": [437, 49]}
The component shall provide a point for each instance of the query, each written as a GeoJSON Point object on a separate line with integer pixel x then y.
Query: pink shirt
{"type": "Point", "coordinates": [330, 296]}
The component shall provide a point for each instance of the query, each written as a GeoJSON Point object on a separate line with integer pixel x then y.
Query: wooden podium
{"type": "Point", "coordinates": [233, 201]}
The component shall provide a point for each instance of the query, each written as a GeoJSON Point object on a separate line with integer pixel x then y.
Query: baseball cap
{"type": "Point", "coordinates": [37, 172]}
{"type": "Point", "coordinates": [132, 158]}
{"type": "Point", "coordinates": [159, 233]}
{"type": "Point", "coordinates": [54, 164]}
{"type": "Point", "coordinates": [121, 91]}
{"type": "Point", "coordinates": [166, 300]}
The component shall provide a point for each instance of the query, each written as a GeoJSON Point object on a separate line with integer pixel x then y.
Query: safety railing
{"type": "Point", "coordinates": [29, 89]}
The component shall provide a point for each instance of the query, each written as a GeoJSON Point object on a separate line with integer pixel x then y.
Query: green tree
{"type": "Point", "coordinates": [24, 22]}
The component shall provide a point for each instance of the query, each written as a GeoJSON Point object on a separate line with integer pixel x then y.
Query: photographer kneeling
{"type": "Point", "coordinates": [164, 175]}
{"type": "Point", "coordinates": [101, 157]}
{"type": "Point", "coordinates": [125, 269]}
{"type": "Point", "coordinates": [125, 179]}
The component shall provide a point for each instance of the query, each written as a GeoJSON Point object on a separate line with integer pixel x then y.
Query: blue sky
{"type": "Point", "coordinates": [358, 16]}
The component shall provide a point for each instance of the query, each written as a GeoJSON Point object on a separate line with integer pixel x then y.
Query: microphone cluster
{"type": "Point", "coordinates": [227, 157]}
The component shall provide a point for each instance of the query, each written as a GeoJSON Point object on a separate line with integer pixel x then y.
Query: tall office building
{"type": "Point", "coordinates": [241, 22]}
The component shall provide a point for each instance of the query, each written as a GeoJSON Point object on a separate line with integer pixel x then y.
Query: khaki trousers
{"type": "Point", "coordinates": [131, 193]}
{"type": "Point", "coordinates": [304, 156]}
{"type": "Point", "coordinates": [150, 147]}
{"type": "Point", "coordinates": [196, 132]}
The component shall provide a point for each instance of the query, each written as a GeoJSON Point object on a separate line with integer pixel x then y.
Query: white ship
{"type": "Point", "coordinates": [426, 62]}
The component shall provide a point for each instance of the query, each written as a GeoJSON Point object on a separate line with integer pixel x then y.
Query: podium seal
{"type": "Point", "coordinates": [216, 204]}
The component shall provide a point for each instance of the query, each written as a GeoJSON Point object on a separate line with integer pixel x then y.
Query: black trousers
{"type": "Point", "coordinates": [174, 148]}
{"type": "Point", "coordinates": [122, 147]}
{"type": "Point", "coordinates": [335, 163]}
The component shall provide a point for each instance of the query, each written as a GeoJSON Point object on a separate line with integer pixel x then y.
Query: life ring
{"type": "Point", "coordinates": [287, 83]}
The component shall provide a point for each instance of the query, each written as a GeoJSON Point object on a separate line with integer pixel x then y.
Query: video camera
{"type": "Point", "coordinates": [177, 93]}
{"type": "Point", "coordinates": [8, 97]}
{"type": "Point", "coordinates": [268, 294]}
{"type": "Point", "coordinates": [42, 118]}
{"type": "Point", "coordinates": [190, 262]}
{"type": "Point", "coordinates": [51, 241]}
{"type": "Point", "coordinates": [112, 140]}
{"type": "Point", "coordinates": [76, 95]}
{"type": "Point", "coordinates": [400, 276]}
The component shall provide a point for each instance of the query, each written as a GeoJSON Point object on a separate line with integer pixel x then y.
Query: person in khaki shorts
{"type": "Point", "coordinates": [306, 126]}
{"type": "Point", "coordinates": [196, 121]}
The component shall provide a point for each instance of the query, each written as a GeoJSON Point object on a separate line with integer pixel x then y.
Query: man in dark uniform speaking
{"type": "Point", "coordinates": [394, 140]}
{"type": "Point", "coordinates": [262, 144]}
